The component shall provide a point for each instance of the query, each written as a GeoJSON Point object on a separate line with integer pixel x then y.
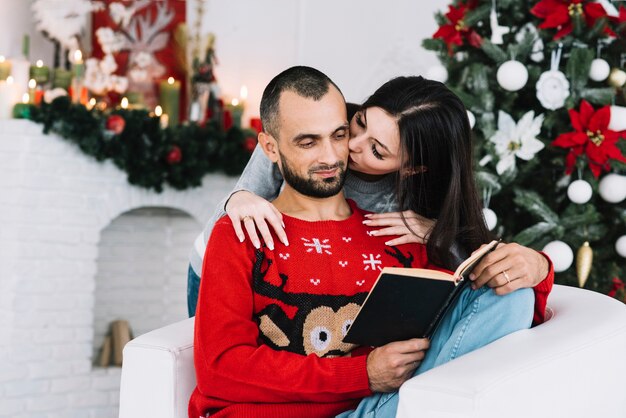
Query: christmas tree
{"type": "Point", "coordinates": [544, 85]}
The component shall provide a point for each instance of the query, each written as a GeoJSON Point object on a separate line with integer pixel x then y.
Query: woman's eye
{"type": "Point", "coordinates": [359, 121]}
{"type": "Point", "coordinates": [376, 153]}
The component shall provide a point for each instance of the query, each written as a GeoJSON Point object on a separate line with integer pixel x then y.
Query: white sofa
{"type": "Point", "coordinates": [572, 366]}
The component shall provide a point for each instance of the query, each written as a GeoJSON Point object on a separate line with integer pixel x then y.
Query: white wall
{"type": "Point", "coordinates": [359, 44]}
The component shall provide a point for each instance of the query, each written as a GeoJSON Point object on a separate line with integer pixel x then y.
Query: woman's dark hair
{"type": "Point", "coordinates": [435, 133]}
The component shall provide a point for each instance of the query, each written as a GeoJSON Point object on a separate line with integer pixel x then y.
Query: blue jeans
{"type": "Point", "coordinates": [478, 318]}
{"type": "Point", "coordinates": [193, 285]}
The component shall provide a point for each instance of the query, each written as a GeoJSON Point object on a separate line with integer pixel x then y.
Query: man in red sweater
{"type": "Point", "coordinates": [270, 323]}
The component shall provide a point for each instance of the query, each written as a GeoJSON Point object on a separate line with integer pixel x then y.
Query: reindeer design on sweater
{"type": "Point", "coordinates": [320, 322]}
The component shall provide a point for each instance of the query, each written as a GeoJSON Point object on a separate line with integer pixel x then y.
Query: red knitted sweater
{"type": "Point", "coordinates": [269, 324]}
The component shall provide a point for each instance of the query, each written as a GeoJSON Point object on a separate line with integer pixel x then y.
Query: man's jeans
{"type": "Point", "coordinates": [193, 284]}
{"type": "Point", "coordinates": [478, 318]}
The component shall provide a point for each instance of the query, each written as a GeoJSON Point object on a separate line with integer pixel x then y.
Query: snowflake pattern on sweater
{"type": "Point", "coordinates": [308, 299]}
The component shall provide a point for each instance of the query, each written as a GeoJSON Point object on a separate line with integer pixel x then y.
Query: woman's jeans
{"type": "Point", "coordinates": [193, 284]}
{"type": "Point", "coordinates": [478, 318]}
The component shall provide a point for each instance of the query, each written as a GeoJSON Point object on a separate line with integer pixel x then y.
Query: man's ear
{"type": "Point", "coordinates": [269, 146]}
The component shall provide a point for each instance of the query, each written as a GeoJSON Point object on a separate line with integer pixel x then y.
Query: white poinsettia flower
{"type": "Point", "coordinates": [516, 139]}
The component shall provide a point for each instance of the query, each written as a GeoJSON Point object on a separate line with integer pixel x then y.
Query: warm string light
{"type": "Point", "coordinates": [39, 63]}
{"type": "Point", "coordinates": [10, 79]}
{"type": "Point", "coordinates": [25, 98]}
{"type": "Point", "coordinates": [2, 59]}
{"type": "Point", "coordinates": [32, 83]}
{"type": "Point", "coordinates": [235, 102]}
{"type": "Point", "coordinates": [78, 56]}
{"type": "Point", "coordinates": [91, 104]}
{"type": "Point", "coordinates": [158, 111]}
{"type": "Point", "coordinates": [124, 103]}
{"type": "Point", "coordinates": [170, 80]}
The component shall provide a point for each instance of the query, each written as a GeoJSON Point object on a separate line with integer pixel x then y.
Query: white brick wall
{"type": "Point", "coordinates": [72, 251]}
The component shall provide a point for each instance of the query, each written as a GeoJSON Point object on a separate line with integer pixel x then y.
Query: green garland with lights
{"type": "Point", "coordinates": [151, 156]}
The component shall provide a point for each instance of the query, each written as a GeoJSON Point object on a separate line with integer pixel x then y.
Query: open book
{"type": "Point", "coordinates": [409, 303]}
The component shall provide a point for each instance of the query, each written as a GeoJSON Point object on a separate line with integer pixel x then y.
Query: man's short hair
{"type": "Point", "coordinates": [306, 82]}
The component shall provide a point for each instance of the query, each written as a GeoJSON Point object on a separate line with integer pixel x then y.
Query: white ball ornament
{"type": "Point", "coordinates": [612, 188]}
{"type": "Point", "coordinates": [512, 75]}
{"type": "Point", "coordinates": [561, 255]}
{"type": "Point", "coordinates": [437, 73]}
{"type": "Point", "coordinates": [491, 219]}
{"type": "Point", "coordinates": [600, 70]}
{"type": "Point", "coordinates": [472, 119]}
{"type": "Point", "coordinates": [579, 191]}
{"type": "Point", "coordinates": [620, 246]}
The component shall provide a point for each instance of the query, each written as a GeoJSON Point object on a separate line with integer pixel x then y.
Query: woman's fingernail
{"type": "Point", "coordinates": [368, 215]}
{"type": "Point", "coordinates": [286, 242]}
{"type": "Point", "coordinates": [389, 243]}
{"type": "Point", "coordinates": [257, 245]}
{"type": "Point", "coordinates": [367, 222]}
{"type": "Point", "coordinates": [283, 224]}
{"type": "Point", "coordinates": [270, 245]}
{"type": "Point", "coordinates": [241, 238]}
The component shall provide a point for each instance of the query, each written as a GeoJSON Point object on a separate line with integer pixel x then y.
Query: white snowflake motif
{"type": "Point", "coordinates": [315, 282]}
{"type": "Point", "coordinates": [320, 246]}
{"type": "Point", "coordinates": [283, 256]}
{"type": "Point", "coordinates": [343, 263]}
{"type": "Point", "coordinates": [372, 262]}
{"type": "Point", "coordinates": [346, 239]}
{"type": "Point", "coordinates": [360, 282]}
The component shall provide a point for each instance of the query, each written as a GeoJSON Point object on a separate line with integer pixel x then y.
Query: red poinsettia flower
{"type": "Point", "coordinates": [592, 137]}
{"type": "Point", "coordinates": [455, 32]}
{"type": "Point", "coordinates": [559, 14]}
{"type": "Point", "coordinates": [617, 286]}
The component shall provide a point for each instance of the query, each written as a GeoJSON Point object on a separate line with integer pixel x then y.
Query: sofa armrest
{"type": "Point", "coordinates": [158, 373]}
{"type": "Point", "coordinates": [567, 367]}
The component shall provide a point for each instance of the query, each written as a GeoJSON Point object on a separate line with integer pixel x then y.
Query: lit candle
{"type": "Point", "coordinates": [169, 94]}
{"type": "Point", "coordinates": [236, 112]}
{"type": "Point", "coordinates": [124, 103]}
{"type": "Point", "coordinates": [62, 79]}
{"type": "Point", "coordinates": [5, 68]}
{"type": "Point", "coordinates": [40, 72]}
{"type": "Point", "coordinates": [22, 110]}
{"type": "Point", "coordinates": [32, 85]}
{"type": "Point", "coordinates": [7, 97]}
{"type": "Point", "coordinates": [79, 66]}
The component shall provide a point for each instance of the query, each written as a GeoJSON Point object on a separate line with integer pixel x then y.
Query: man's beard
{"type": "Point", "coordinates": [327, 187]}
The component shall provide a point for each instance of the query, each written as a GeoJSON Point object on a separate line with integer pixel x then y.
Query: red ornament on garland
{"type": "Point", "coordinates": [115, 124]}
{"type": "Point", "coordinates": [249, 144]}
{"type": "Point", "coordinates": [559, 14]}
{"type": "Point", "coordinates": [174, 156]}
{"type": "Point", "coordinates": [455, 32]}
{"type": "Point", "coordinates": [592, 137]}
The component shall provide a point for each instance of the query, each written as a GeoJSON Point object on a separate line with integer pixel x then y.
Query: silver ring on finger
{"type": "Point", "coordinates": [245, 218]}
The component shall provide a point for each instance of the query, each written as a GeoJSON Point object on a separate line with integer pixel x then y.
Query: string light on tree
{"type": "Point", "coordinates": [579, 192]}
